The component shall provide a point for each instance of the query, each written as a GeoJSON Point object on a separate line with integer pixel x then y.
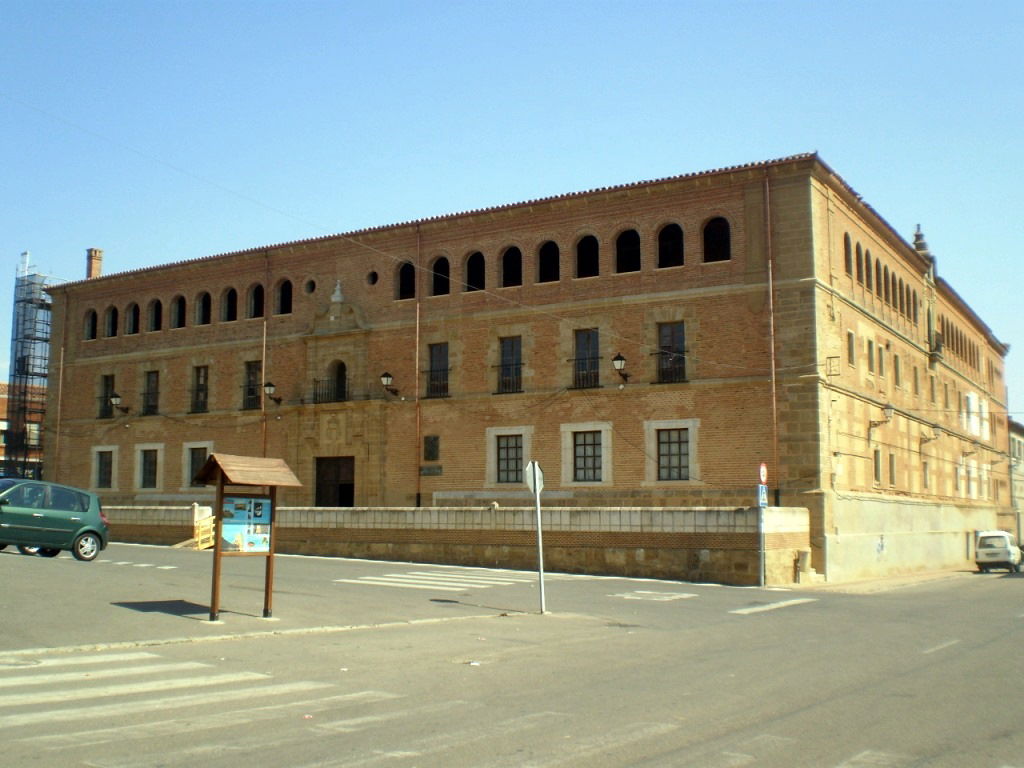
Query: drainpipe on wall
{"type": "Point", "coordinates": [416, 375]}
{"type": "Point", "coordinates": [771, 334]}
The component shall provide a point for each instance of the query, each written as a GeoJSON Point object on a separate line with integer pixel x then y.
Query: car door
{"type": "Point", "coordinates": [24, 517]}
{"type": "Point", "coordinates": [66, 515]}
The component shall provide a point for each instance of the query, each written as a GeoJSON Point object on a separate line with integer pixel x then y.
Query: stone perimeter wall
{"type": "Point", "coordinates": [706, 544]}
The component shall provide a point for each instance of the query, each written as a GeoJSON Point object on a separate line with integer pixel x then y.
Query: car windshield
{"type": "Point", "coordinates": [991, 542]}
{"type": "Point", "coordinates": [6, 483]}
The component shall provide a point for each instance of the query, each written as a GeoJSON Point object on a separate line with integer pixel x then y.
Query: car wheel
{"type": "Point", "coordinates": [3, 546]}
{"type": "Point", "coordinates": [86, 546]}
{"type": "Point", "coordinates": [48, 552]}
{"type": "Point", "coordinates": [25, 549]}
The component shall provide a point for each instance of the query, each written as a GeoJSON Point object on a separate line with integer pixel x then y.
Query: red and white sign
{"type": "Point", "coordinates": [764, 473]}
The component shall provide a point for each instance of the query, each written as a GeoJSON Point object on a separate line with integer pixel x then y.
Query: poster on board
{"type": "Point", "coordinates": [246, 522]}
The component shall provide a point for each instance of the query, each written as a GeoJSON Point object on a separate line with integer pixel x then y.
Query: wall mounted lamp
{"type": "Point", "coordinates": [888, 410]}
{"type": "Point", "coordinates": [269, 389]}
{"type": "Point", "coordinates": [936, 434]}
{"type": "Point", "coordinates": [115, 400]}
{"type": "Point", "coordinates": [619, 364]}
{"type": "Point", "coordinates": [385, 381]}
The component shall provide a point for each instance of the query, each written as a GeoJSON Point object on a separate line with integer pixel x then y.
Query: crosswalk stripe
{"type": "Point", "coordinates": [62, 677]}
{"type": "Point", "coordinates": [59, 661]}
{"type": "Point", "coordinates": [133, 707]}
{"type": "Point", "coordinates": [472, 577]}
{"type": "Point", "coordinates": [23, 699]}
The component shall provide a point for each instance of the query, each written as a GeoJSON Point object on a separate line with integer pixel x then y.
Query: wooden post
{"type": "Point", "coordinates": [218, 537]}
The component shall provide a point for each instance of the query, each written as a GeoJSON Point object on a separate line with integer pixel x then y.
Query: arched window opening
{"type": "Point", "coordinates": [548, 270]}
{"type": "Point", "coordinates": [440, 277]}
{"type": "Point", "coordinates": [254, 302]}
{"type": "Point", "coordinates": [627, 251]}
{"type": "Point", "coordinates": [178, 312]}
{"type": "Point", "coordinates": [867, 270]}
{"type": "Point", "coordinates": [283, 298]}
{"type": "Point", "coordinates": [588, 257]}
{"type": "Point", "coordinates": [916, 305]}
{"type": "Point", "coordinates": [716, 240]}
{"type": "Point", "coordinates": [333, 389]}
{"type": "Point", "coordinates": [860, 265]}
{"type": "Point", "coordinates": [229, 306]}
{"type": "Point", "coordinates": [91, 323]}
{"type": "Point", "coordinates": [670, 246]}
{"type": "Point", "coordinates": [893, 290]}
{"type": "Point", "coordinates": [511, 267]}
{"type": "Point", "coordinates": [879, 286]}
{"type": "Point", "coordinates": [476, 272]}
{"type": "Point", "coordinates": [132, 319]}
{"type": "Point", "coordinates": [885, 285]}
{"type": "Point", "coordinates": [903, 303]}
{"type": "Point", "coordinates": [407, 281]}
{"type": "Point", "coordinates": [155, 315]}
{"type": "Point", "coordinates": [204, 309]}
{"type": "Point", "coordinates": [847, 255]}
{"type": "Point", "coordinates": [110, 322]}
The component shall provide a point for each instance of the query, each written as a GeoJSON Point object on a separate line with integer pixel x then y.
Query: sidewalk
{"type": "Point", "coordinates": [886, 583]}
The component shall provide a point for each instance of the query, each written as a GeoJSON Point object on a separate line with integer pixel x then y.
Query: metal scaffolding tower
{"type": "Point", "coordinates": [29, 366]}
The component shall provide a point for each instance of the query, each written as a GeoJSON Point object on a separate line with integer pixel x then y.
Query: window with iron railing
{"type": "Point", "coordinates": [106, 408]}
{"type": "Point", "coordinates": [200, 389]}
{"type": "Point", "coordinates": [586, 363]}
{"type": "Point", "coordinates": [329, 391]}
{"type": "Point", "coordinates": [671, 352]}
{"type": "Point", "coordinates": [437, 375]}
{"type": "Point", "coordinates": [151, 394]}
{"type": "Point", "coordinates": [252, 389]}
{"type": "Point", "coordinates": [510, 369]}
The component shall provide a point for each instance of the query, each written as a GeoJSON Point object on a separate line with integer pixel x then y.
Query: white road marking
{"type": "Point", "coordinates": [774, 606]}
{"type": "Point", "coordinates": [58, 661]}
{"type": "Point", "coordinates": [436, 580]}
{"type": "Point", "coordinates": [23, 699]}
{"type": "Point", "coordinates": [382, 583]}
{"type": "Point", "coordinates": [642, 594]}
{"type": "Point", "coordinates": [133, 707]}
{"type": "Point", "coordinates": [101, 674]}
{"type": "Point", "coordinates": [941, 646]}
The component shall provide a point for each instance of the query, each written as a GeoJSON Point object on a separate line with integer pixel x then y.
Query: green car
{"type": "Point", "coordinates": [44, 518]}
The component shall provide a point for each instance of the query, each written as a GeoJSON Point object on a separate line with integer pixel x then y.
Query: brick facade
{"type": "Point", "coordinates": [799, 404]}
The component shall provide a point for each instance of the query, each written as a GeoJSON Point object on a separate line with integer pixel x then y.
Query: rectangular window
{"type": "Point", "coordinates": [104, 469]}
{"type": "Point", "coordinates": [106, 408]}
{"type": "Point", "coordinates": [437, 375]}
{"type": "Point", "coordinates": [673, 454]}
{"type": "Point", "coordinates": [252, 389]}
{"type": "Point", "coordinates": [871, 356]}
{"type": "Point", "coordinates": [897, 374]}
{"type": "Point", "coordinates": [586, 359]}
{"type": "Point", "coordinates": [671, 352]}
{"type": "Point", "coordinates": [881, 361]}
{"type": "Point", "coordinates": [431, 447]}
{"type": "Point", "coordinates": [196, 459]}
{"type": "Point", "coordinates": [878, 466]}
{"type": "Point", "coordinates": [200, 389]}
{"type": "Point", "coordinates": [931, 388]}
{"type": "Point", "coordinates": [151, 393]}
{"type": "Point", "coordinates": [926, 479]}
{"type": "Point", "coordinates": [510, 378]}
{"type": "Point", "coordinates": [510, 458]}
{"type": "Point", "coordinates": [892, 469]}
{"type": "Point", "coordinates": [851, 348]}
{"type": "Point", "coordinates": [917, 381]}
{"type": "Point", "coordinates": [148, 468]}
{"type": "Point", "coordinates": [586, 449]}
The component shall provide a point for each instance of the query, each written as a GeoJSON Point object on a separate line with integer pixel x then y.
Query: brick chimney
{"type": "Point", "coordinates": [93, 263]}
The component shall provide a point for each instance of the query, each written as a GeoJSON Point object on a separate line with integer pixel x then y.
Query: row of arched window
{"type": "Point", "coordinates": [152, 317]}
{"type": "Point", "coordinates": [628, 258]}
{"type": "Point", "coordinates": [959, 343]}
{"type": "Point", "coordinates": [875, 277]}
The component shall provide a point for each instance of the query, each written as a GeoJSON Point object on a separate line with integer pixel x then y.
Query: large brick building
{"type": "Point", "coordinates": [761, 313]}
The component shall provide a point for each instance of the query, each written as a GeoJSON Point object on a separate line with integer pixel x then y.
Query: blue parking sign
{"type": "Point", "coordinates": [762, 495]}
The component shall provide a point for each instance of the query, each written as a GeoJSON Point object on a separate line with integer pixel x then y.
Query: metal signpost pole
{"type": "Point", "coordinates": [535, 480]}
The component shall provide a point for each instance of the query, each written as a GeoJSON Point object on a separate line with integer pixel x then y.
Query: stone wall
{"type": "Point", "coordinates": [707, 544]}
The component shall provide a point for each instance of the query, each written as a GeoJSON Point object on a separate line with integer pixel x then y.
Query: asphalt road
{"type": "Point", "coordinates": [115, 664]}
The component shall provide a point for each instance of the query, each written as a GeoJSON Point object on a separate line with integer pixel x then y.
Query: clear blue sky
{"type": "Point", "coordinates": [162, 131]}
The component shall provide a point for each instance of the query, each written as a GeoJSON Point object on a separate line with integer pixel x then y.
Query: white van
{"type": "Point", "coordinates": [997, 549]}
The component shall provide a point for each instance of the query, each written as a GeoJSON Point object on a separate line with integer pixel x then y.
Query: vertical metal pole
{"type": "Point", "coordinates": [218, 534]}
{"type": "Point", "coordinates": [540, 539]}
{"type": "Point", "coordinates": [268, 583]}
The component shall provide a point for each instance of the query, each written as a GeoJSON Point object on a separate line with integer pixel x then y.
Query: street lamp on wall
{"type": "Point", "coordinates": [385, 381]}
{"type": "Point", "coordinates": [619, 364]}
{"type": "Point", "coordinates": [269, 389]}
{"type": "Point", "coordinates": [888, 410]}
{"type": "Point", "coordinates": [115, 400]}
